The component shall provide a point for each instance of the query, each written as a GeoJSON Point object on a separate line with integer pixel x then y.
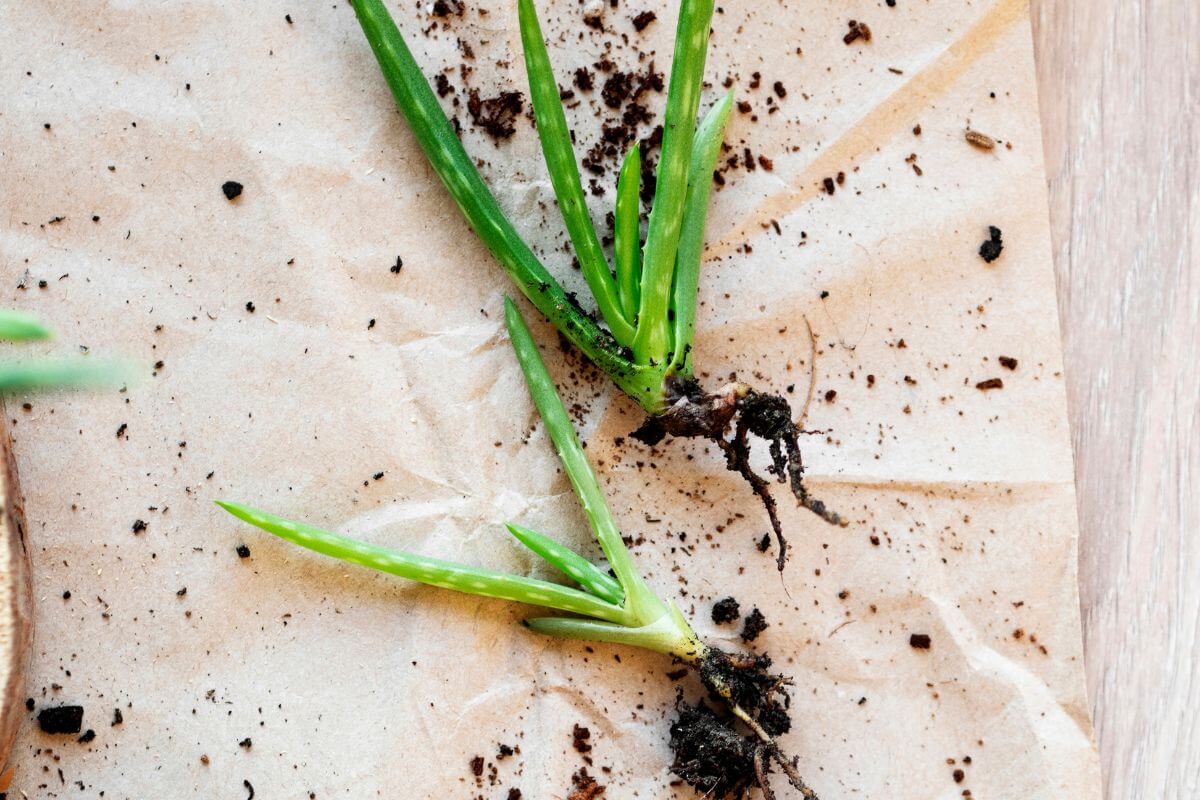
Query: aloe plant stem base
{"type": "Point", "coordinates": [698, 414]}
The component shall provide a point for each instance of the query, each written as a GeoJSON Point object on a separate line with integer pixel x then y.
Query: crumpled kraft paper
{"type": "Point", "coordinates": [122, 120]}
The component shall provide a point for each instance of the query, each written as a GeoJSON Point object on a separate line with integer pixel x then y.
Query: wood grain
{"type": "Point", "coordinates": [16, 600]}
{"type": "Point", "coordinates": [1119, 88]}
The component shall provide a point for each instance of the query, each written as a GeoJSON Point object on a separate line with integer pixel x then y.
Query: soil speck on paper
{"type": "Point", "coordinates": [61, 719]}
{"type": "Point", "coordinates": [496, 116]}
{"type": "Point", "coordinates": [579, 739]}
{"type": "Point", "coordinates": [584, 787]}
{"type": "Point", "coordinates": [726, 610]}
{"type": "Point", "coordinates": [858, 30]}
{"type": "Point", "coordinates": [990, 250]}
{"type": "Point", "coordinates": [754, 624]}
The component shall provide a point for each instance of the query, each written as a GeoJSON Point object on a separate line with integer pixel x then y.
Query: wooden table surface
{"type": "Point", "coordinates": [1120, 88]}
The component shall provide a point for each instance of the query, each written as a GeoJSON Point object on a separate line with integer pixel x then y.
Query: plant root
{"type": "Point", "coordinates": [693, 413]}
{"type": "Point", "coordinates": [711, 754]}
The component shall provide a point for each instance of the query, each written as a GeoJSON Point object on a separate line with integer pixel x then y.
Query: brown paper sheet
{"type": "Point", "coordinates": [352, 684]}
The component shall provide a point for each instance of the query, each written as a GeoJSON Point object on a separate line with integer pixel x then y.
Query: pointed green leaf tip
{"type": "Point", "coordinates": [570, 563]}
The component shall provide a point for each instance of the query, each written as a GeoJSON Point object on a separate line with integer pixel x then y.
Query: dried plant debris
{"type": "Point", "coordinates": [857, 31]}
{"type": "Point", "coordinates": [584, 786]}
{"type": "Point", "coordinates": [980, 140]}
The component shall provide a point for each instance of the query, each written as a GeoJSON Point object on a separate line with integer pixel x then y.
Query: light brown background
{"type": "Point", "coordinates": [1119, 84]}
{"type": "Point", "coordinates": [1121, 165]}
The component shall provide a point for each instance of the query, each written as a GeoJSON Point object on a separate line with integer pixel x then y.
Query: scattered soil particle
{"type": "Point", "coordinates": [958, 775]}
{"type": "Point", "coordinates": [920, 641]}
{"type": "Point", "coordinates": [830, 186]}
{"type": "Point", "coordinates": [990, 249]}
{"type": "Point", "coordinates": [779, 90]}
{"type": "Point", "coordinates": [504, 751]}
{"type": "Point", "coordinates": [140, 526]}
{"type": "Point", "coordinates": [584, 787]}
{"type": "Point", "coordinates": [118, 717]}
{"type": "Point", "coordinates": [496, 116]}
{"type": "Point", "coordinates": [124, 426]}
{"type": "Point", "coordinates": [87, 736]}
{"type": "Point", "coordinates": [246, 744]}
{"type": "Point", "coordinates": [980, 140]}
{"type": "Point", "coordinates": [858, 30]}
{"type": "Point", "coordinates": [1008, 362]}
{"type": "Point", "coordinates": [444, 8]}
{"type": "Point", "coordinates": [617, 89]}
{"type": "Point", "coordinates": [250, 306]}
{"type": "Point", "coordinates": [990, 383]}
{"type": "Point", "coordinates": [243, 551]}
{"type": "Point", "coordinates": [514, 794]}
{"type": "Point", "coordinates": [61, 719]}
{"type": "Point", "coordinates": [643, 19]}
{"type": "Point", "coordinates": [583, 80]}
{"type": "Point", "coordinates": [477, 766]}
{"type": "Point", "coordinates": [232, 190]}
{"type": "Point", "coordinates": [579, 739]}
{"type": "Point", "coordinates": [754, 624]}
{"type": "Point", "coordinates": [726, 610]}
{"type": "Point", "coordinates": [395, 268]}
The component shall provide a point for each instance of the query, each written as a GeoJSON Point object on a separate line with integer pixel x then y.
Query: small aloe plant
{"type": "Point", "coordinates": [647, 299]}
{"type": "Point", "coordinates": [45, 373]}
{"type": "Point", "coordinates": [619, 607]}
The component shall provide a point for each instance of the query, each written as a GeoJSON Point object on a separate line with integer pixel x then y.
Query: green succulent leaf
{"type": "Point", "coordinates": [653, 340]}
{"type": "Point", "coordinates": [639, 599]}
{"type": "Point", "coordinates": [18, 327]}
{"type": "Point", "coordinates": [458, 173]}
{"type": "Point", "coordinates": [431, 571]}
{"type": "Point", "coordinates": [59, 373]}
{"type": "Point", "coordinates": [670, 633]}
{"type": "Point", "coordinates": [570, 563]}
{"type": "Point", "coordinates": [564, 173]}
{"type": "Point", "coordinates": [627, 244]}
{"type": "Point", "coordinates": [705, 153]}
